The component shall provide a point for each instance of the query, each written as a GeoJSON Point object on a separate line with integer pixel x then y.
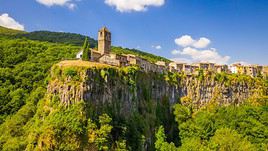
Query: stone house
{"type": "Point", "coordinates": [131, 59]}
{"type": "Point", "coordinates": [180, 67]}
{"type": "Point", "coordinates": [187, 69]}
{"type": "Point", "coordinates": [109, 59]}
{"type": "Point", "coordinates": [221, 68]}
{"type": "Point", "coordinates": [206, 66]}
{"type": "Point", "coordinates": [142, 63]}
{"type": "Point", "coordinates": [195, 69]}
{"type": "Point", "coordinates": [251, 70]}
{"type": "Point", "coordinates": [237, 68]}
{"type": "Point", "coordinates": [95, 55]}
{"type": "Point", "coordinates": [122, 59]}
{"type": "Point", "coordinates": [161, 66]}
{"type": "Point", "coordinates": [172, 67]}
{"type": "Point", "coordinates": [176, 67]}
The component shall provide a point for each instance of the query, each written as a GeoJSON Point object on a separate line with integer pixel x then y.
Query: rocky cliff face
{"type": "Point", "coordinates": [142, 101]}
{"type": "Point", "coordinates": [127, 88]}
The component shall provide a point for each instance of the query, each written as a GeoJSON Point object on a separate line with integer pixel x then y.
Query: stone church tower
{"type": "Point", "coordinates": [104, 41]}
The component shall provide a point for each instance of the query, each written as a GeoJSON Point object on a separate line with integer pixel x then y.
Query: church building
{"type": "Point", "coordinates": [104, 41]}
{"type": "Point", "coordinates": [104, 44]}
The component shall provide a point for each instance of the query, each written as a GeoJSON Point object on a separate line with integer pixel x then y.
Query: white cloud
{"type": "Point", "coordinates": [67, 3]}
{"type": "Point", "coordinates": [202, 43]}
{"type": "Point", "coordinates": [208, 55]}
{"type": "Point", "coordinates": [9, 22]}
{"type": "Point", "coordinates": [71, 6]}
{"type": "Point", "coordinates": [134, 5]}
{"type": "Point", "coordinates": [157, 47]}
{"type": "Point", "coordinates": [187, 40]}
{"type": "Point", "coordinates": [184, 41]}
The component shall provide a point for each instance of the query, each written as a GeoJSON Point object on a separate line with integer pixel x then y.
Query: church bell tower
{"type": "Point", "coordinates": [104, 41]}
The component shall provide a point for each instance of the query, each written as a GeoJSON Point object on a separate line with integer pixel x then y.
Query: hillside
{"type": "Point", "coordinates": [24, 65]}
{"type": "Point", "coordinates": [76, 40]}
{"type": "Point", "coordinates": [58, 37]}
{"type": "Point", "coordinates": [7, 31]}
{"type": "Point", "coordinates": [150, 57]}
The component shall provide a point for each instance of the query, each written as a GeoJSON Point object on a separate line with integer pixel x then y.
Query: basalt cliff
{"type": "Point", "coordinates": [128, 94]}
{"type": "Point", "coordinates": [127, 88]}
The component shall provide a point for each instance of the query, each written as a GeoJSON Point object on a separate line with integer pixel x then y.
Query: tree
{"type": "Point", "coordinates": [182, 113]}
{"type": "Point", "coordinates": [86, 54]}
{"type": "Point", "coordinates": [121, 145]}
{"type": "Point", "coordinates": [193, 144]}
{"type": "Point", "coordinates": [85, 44]}
{"type": "Point", "coordinates": [160, 143]}
{"type": "Point", "coordinates": [100, 135]}
{"type": "Point", "coordinates": [227, 139]}
{"type": "Point", "coordinates": [1, 55]}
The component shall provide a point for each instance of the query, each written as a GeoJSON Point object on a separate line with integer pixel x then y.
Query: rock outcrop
{"type": "Point", "coordinates": [128, 88]}
{"type": "Point", "coordinates": [142, 101]}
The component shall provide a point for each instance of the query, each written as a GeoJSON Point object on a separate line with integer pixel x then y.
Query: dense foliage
{"type": "Point", "coordinates": [58, 37]}
{"type": "Point", "coordinates": [220, 128]}
{"type": "Point", "coordinates": [86, 55]}
{"type": "Point", "coordinates": [24, 66]}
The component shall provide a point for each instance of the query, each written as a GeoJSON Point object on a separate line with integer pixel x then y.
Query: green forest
{"type": "Point", "coordinates": [218, 128]}
{"type": "Point", "coordinates": [29, 120]}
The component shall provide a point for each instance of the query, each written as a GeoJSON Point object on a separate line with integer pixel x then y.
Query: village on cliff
{"type": "Point", "coordinates": [104, 55]}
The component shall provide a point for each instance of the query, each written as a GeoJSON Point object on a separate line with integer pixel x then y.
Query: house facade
{"type": "Point", "coordinates": [79, 54]}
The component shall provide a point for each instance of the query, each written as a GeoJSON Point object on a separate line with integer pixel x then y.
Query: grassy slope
{"type": "Point", "coordinates": [7, 31]}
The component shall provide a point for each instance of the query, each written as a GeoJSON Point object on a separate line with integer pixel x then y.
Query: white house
{"type": "Point", "coordinates": [79, 54]}
{"type": "Point", "coordinates": [234, 67]}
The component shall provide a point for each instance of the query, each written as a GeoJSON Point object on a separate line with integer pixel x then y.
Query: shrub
{"type": "Point", "coordinates": [70, 72]}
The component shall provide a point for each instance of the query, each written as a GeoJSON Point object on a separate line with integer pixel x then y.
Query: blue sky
{"type": "Point", "coordinates": [222, 31]}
